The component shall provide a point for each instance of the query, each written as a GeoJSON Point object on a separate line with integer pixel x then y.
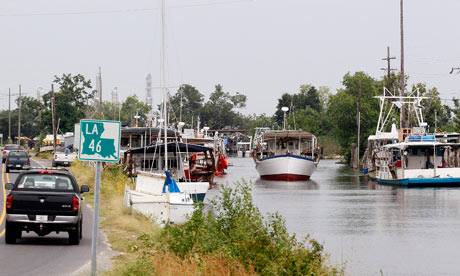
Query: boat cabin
{"type": "Point", "coordinates": [292, 142]}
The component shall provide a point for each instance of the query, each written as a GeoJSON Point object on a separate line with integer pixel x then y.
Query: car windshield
{"type": "Point", "coordinates": [11, 147]}
{"type": "Point", "coordinates": [18, 154]}
{"type": "Point", "coordinates": [40, 181]}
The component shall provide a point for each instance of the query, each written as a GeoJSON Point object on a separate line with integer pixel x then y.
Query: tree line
{"type": "Point", "coordinates": [330, 116]}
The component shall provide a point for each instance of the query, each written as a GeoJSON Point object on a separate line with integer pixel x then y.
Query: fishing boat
{"type": "Point", "coordinates": [411, 156]}
{"type": "Point", "coordinates": [420, 161]}
{"type": "Point", "coordinates": [149, 164]}
{"type": "Point", "coordinates": [288, 155]}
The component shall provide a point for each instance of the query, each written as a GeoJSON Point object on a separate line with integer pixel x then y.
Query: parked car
{"type": "Point", "coordinates": [63, 157]}
{"type": "Point", "coordinates": [17, 160]}
{"type": "Point", "coordinates": [44, 201]}
{"type": "Point", "coordinates": [7, 149]}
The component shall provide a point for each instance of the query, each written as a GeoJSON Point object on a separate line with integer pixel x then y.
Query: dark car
{"type": "Point", "coordinates": [44, 201]}
{"type": "Point", "coordinates": [7, 149]}
{"type": "Point", "coordinates": [17, 160]}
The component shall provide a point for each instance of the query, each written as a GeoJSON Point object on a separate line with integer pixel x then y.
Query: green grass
{"type": "Point", "coordinates": [44, 155]}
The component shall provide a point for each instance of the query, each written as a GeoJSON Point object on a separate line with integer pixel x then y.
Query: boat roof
{"type": "Point", "coordinates": [283, 134]}
{"type": "Point", "coordinates": [172, 147]}
{"type": "Point", "coordinates": [384, 136]}
{"type": "Point", "coordinates": [405, 145]}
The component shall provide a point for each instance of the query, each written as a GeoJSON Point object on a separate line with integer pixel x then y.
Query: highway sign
{"type": "Point", "coordinates": [99, 140]}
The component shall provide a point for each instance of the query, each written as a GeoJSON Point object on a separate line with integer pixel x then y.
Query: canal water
{"type": "Point", "coordinates": [371, 229]}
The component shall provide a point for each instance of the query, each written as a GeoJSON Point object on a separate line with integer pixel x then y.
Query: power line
{"type": "Point", "coordinates": [120, 10]}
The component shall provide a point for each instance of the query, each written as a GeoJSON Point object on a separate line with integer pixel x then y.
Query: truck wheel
{"type": "Point", "coordinates": [81, 228]}
{"type": "Point", "coordinates": [53, 164]}
{"type": "Point", "coordinates": [74, 235]}
{"type": "Point", "coordinates": [10, 234]}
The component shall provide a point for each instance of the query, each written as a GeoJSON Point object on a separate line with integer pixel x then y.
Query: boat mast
{"type": "Point", "coordinates": [163, 79]}
{"type": "Point", "coordinates": [403, 113]}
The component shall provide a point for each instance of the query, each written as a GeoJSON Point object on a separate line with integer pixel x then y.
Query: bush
{"type": "Point", "coordinates": [238, 231]}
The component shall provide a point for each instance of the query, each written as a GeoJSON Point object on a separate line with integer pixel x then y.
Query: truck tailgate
{"type": "Point", "coordinates": [52, 203]}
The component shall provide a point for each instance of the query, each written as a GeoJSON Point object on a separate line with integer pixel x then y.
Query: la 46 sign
{"type": "Point", "coordinates": [99, 140]}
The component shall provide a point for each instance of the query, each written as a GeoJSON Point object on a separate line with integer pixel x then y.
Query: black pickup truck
{"type": "Point", "coordinates": [44, 201]}
{"type": "Point", "coordinates": [17, 160]}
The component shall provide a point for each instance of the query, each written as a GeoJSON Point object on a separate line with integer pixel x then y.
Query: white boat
{"type": "Point", "coordinates": [420, 161]}
{"type": "Point", "coordinates": [163, 206]}
{"type": "Point", "coordinates": [289, 155]}
{"type": "Point", "coordinates": [409, 156]}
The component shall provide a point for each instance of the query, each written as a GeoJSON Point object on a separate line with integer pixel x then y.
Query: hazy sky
{"type": "Point", "coordinates": [261, 48]}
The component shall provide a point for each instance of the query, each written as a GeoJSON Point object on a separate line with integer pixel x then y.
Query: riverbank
{"type": "Point", "coordinates": [239, 241]}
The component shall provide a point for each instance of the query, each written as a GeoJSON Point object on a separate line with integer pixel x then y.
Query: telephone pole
{"type": "Point", "coordinates": [9, 114]}
{"type": "Point", "coordinates": [403, 113]}
{"type": "Point", "coordinates": [53, 117]}
{"type": "Point", "coordinates": [358, 122]}
{"type": "Point", "coordinates": [19, 121]}
{"type": "Point", "coordinates": [99, 90]}
{"type": "Point", "coordinates": [388, 69]}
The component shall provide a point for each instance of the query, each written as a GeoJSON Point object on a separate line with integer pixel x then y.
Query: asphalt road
{"type": "Point", "coordinates": [49, 255]}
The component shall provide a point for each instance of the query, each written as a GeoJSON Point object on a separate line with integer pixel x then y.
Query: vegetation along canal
{"type": "Point", "coordinates": [370, 228]}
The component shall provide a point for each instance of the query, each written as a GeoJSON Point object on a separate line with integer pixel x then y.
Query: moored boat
{"type": "Point", "coordinates": [289, 155]}
{"type": "Point", "coordinates": [420, 161]}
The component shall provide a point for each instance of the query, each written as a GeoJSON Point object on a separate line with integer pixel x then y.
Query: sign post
{"type": "Point", "coordinates": [100, 142]}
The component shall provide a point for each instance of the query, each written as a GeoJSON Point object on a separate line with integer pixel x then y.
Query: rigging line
{"type": "Point", "coordinates": [119, 10]}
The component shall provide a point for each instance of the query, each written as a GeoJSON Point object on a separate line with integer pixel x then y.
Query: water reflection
{"type": "Point", "coordinates": [285, 185]}
{"type": "Point", "coordinates": [403, 231]}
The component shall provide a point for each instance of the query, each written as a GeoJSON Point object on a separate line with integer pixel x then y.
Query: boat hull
{"type": "Point", "coordinates": [422, 182]}
{"type": "Point", "coordinates": [286, 168]}
{"type": "Point", "coordinates": [152, 183]}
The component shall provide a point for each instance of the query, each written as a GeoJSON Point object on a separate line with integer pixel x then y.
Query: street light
{"type": "Point", "coordinates": [284, 109]}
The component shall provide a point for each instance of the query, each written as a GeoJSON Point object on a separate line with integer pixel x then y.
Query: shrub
{"type": "Point", "coordinates": [238, 231]}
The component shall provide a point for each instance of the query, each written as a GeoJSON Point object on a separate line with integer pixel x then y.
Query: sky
{"type": "Point", "coordinates": [261, 48]}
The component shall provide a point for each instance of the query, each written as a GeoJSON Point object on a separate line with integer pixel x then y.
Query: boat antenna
{"type": "Point", "coordinates": [284, 109]}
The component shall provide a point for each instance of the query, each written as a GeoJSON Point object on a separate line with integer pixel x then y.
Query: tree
{"type": "Point", "coordinates": [192, 103]}
{"type": "Point", "coordinates": [342, 110]}
{"type": "Point", "coordinates": [307, 97]}
{"type": "Point", "coordinates": [434, 112]}
{"type": "Point", "coordinates": [456, 117]}
{"type": "Point", "coordinates": [132, 107]}
{"type": "Point", "coordinates": [71, 100]}
{"type": "Point", "coordinates": [219, 111]}
{"type": "Point", "coordinates": [30, 116]}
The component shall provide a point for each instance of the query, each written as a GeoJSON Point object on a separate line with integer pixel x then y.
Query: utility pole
{"type": "Point", "coordinates": [403, 113]}
{"type": "Point", "coordinates": [19, 121]}
{"type": "Point", "coordinates": [358, 121]}
{"type": "Point", "coordinates": [9, 114]}
{"type": "Point", "coordinates": [388, 69]}
{"type": "Point", "coordinates": [100, 94]}
{"type": "Point", "coordinates": [53, 117]}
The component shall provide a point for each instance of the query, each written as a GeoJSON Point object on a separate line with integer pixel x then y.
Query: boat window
{"type": "Point", "coordinates": [423, 151]}
{"type": "Point", "coordinates": [439, 152]}
{"type": "Point", "coordinates": [431, 151]}
{"type": "Point", "coordinates": [414, 152]}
